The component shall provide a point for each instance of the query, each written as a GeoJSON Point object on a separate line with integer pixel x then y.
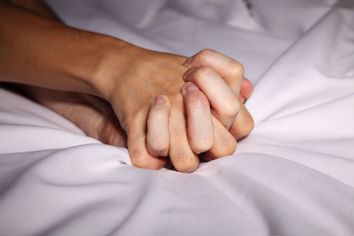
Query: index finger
{"type": "Point", "coordinates": [139, 155]}
{"type": "Point", "coordinates": [229, 69]}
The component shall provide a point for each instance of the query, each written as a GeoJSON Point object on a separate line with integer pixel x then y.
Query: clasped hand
{"type": "Point", "coordinates": [172, 109]}
{"type": "Point", "coordinates": [175, 107]}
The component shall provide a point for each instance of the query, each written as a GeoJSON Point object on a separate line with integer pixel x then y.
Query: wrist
{"type": "Point", "coordinates": [113, 58]}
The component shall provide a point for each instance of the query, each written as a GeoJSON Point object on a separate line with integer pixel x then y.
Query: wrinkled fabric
{"type": "Point", "coordinates": [294, 175]}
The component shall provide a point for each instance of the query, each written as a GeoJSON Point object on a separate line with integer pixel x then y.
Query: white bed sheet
{"type": "Point", "coordinates": [294, 175]}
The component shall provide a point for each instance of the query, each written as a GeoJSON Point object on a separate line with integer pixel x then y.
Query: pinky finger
{"type": "Point", "coordinates": [158, 141]}
{"type": "Point", "coordinates": [246, 90]}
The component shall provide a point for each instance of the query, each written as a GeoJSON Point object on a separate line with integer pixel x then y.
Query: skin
{"type": "Point", "coordinates": [169, 106]}
{"type": "Point", "coordinates": [92, 115]}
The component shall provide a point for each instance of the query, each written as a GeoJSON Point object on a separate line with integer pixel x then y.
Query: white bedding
{"type": "Point", "coordinates": [294, 175]}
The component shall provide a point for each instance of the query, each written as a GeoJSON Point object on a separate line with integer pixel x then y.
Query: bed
{"type": "Point", "coordinates": [294, 175]}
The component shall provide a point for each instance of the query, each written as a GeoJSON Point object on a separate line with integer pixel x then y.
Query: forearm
{"type": "Point", "coordinates": [39, 51]}
{"type": "Point", "coordinates": [38, 7]}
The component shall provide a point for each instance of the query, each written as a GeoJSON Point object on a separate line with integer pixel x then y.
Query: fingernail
{"type": "Point", "coordinates": [189, 87]}
{"type": "Point", "coordinates": [187, 63]}
{"type": "Point", "coordinates": [159, 100]}
{"type": "Point", "coordinates": [188, 73]}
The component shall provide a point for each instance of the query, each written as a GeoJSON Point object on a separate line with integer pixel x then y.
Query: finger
{"type": "Point", "coordinates": [182, 157]}
{"type": "Point", "coordinates": [112, 133]}
{"type": "Point", "coordinates": [246, 90]}
{"type": "Point", "coordinates": [137, 147]}
{"type": "Point", "coordinates": [109, 131]}
{"type": "Point", "coordinates": [243, 124]}
{"type": "Point", "coordinates": [199, 123]}
{"type": "Point", "coordinates": [222, 99]}
{"type": "Point", "coordinates": [224, 143]}
{"type": "Point", "coordinates": [229, 69]}
{"type": "Point", "coordinates": [158, 136]}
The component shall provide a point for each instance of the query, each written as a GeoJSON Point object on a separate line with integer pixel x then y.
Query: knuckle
{"type": "Point", "coordinates": [186, 167]}
{"type": "Point", "coordinates": [136, 154]}
{"type": "Point", "coordinates": [230, 146]}
{"type": "Point", "coordinates": [246, 128]}
{"type": "Point", "coordinates": [158, 149]}
{"type": "Point", "coordinates": [139, 164]}
{"type": "Point", "coordinates": [236, 68]}
{"type": "Point", "coordinates": [204, 55]}
{"type": "Point", "coordinates": [185, 163]}
{"type": "Point", "coordinates": [227, 147]}
{"type": "Point", "coordinates": [140, 159]}
{"type": "Point", "coordinates": [201, 145]}
{"type": "Point", "coordinates": [250, 125]}
{"type": "Point", "coordinates": [149, 165]}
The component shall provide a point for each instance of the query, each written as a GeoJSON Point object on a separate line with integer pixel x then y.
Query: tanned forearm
{"type": "Point", "coordinates": [37, 50]}
{"type": "Point", "coordinates": [36, 6]}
